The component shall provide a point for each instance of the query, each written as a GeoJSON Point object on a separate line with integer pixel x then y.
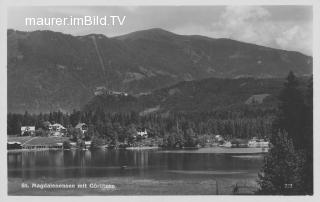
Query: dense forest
{"type": "Point", "coordinates": [243, 124]}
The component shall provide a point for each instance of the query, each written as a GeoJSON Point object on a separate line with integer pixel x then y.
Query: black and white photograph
{"type": "Point", "coordinates": [169, 100]}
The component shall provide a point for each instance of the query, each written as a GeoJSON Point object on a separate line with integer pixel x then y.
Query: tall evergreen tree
{"type": "Point", "coordinates": [291, 112]}
{"type": "Point", "coordinates": [288, 168]}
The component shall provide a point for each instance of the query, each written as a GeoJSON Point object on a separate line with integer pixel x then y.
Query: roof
{"type": "Point", "coordinates": [58, 125]}
{"type": "Point", "coordinates": [29, 127]}
{"type": "Point", "coordinates": [79, 125]}
{"type": "Point", "coordinates": [14, 142]}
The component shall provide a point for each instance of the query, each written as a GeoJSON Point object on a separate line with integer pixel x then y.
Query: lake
{"type": "Point", "coordinates": [148, 171]}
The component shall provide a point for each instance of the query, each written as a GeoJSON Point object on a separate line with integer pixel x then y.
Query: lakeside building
{"type": "Point", "coordinates": [28, 130]}
{"type": "Point", "coordinates": [82, 126]}
{"type": "Point", "coordinates": [58, 127]}
{"type": "Point", "coordinates": [255, 142]}
{"type": "Point", "coordinates": [143, 134]}
{"type": "Point", "coordinates": [239, 143]}
{"type": "Point", "coordinates": [57, 130]}
{"type": "Point", "coordinates": [243, 143]}
{"type": "Point", "coordinates": [36, 143]}
{"type": "Point", "coordinates": [13, 145]}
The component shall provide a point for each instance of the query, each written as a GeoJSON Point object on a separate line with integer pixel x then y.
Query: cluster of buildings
{"type": "Point", "coordinates": [56, 137]}
{"type": "Point", "coordinates": [58, 130]}
{"type": "Point", "coordinates": [102, 90]}
{"type": "Point", "coordinates": [243, 143]}
{"type": "Point", "coordinates": [55, 130]}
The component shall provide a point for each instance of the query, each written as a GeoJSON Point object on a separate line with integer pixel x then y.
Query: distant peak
{"type": "Point", "coordinates": [158, 30]}
{"type": "Point", "coordinates": [95, 35]}
{"type": "Point", "coordinates": [148, 33]}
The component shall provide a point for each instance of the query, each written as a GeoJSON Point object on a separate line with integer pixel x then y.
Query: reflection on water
{"type": "Point", "coordinates": [70, 164]}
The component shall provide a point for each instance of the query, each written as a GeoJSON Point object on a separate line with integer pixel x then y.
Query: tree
{"type": "Point", "coordinates": [90, 133]}
{"type": "Point", "coordinates": [96, 142]}
{"type": "Point", "coordinates": [40, 132]}
{"type": "Point", "coordinates": [190, 139]}
{"type": "Point", "coordinates": [74, 134]}
{"type": "Point", "coordinates": [45, 125]}
{"type": "Point", "coordinates": [290, 160]}
{"type": "Point", "coordinates": [130, 133]}
{"type": "Point", "coordinates": [291, 117]}
{"type": "Point", "coordinates": [282, 170]}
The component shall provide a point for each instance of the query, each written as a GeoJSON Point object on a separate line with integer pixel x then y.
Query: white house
{"type": "Point", "coordinates": [142, 133]}
{"type": "Point", "coordinates": [28, 130]}
{"type": "Point", "coordinates": [82, 126]}
{"type": "Point", "coordinates": [58, 127]}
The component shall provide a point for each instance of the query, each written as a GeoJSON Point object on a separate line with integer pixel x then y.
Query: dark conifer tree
{"type": "Point", "coordinates": [288, 168]}
{"type": "Point", "coordinates": [291, 112]}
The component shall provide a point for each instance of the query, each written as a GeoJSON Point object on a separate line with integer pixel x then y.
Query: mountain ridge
{"type": "Point", "coordinates": [50, 70]}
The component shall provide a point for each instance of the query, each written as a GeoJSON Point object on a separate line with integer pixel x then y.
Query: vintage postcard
{"type": "Point", "coordinates": [165, 99]}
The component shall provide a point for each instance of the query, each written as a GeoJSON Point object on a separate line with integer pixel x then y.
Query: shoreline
{"type": "Point", "coordinates": [32, 150]}
{"type": "Point", "coordinates": [221, 150]}
{"type": "Point", "coordinates": [142, 148]}
{"type": "Point", "coordinates": [216, 150]}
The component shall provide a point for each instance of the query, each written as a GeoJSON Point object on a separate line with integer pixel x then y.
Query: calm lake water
{"type": "Point", "coordinates": [121, 163]}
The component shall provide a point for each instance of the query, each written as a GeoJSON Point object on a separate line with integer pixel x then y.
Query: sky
{"type": "Point", "coordinates": [285, 27]}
